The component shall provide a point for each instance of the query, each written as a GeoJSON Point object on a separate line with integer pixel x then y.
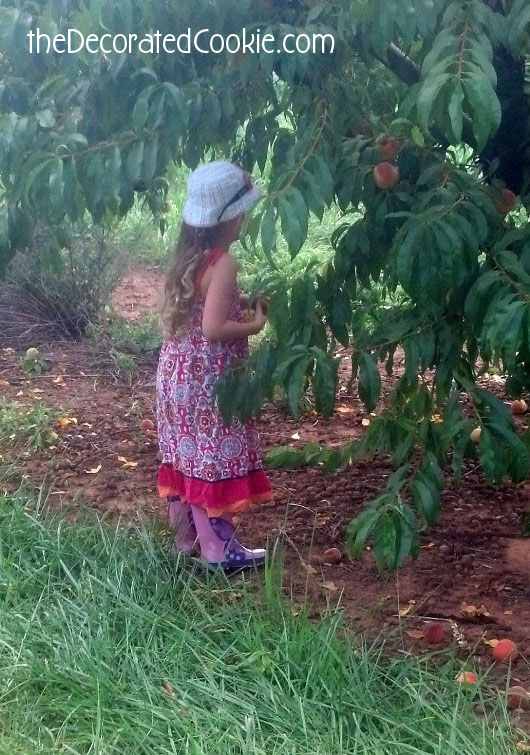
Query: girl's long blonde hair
{"type": "Point", "coordinates": [192, 245]}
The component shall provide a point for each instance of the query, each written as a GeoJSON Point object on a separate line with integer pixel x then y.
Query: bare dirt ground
{"type": "Point", "coordinates": [474, 571]}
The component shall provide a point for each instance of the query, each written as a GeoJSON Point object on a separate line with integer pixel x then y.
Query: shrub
{"type": "Point", "coordinates": [140, 337]}
{"type": "Point", "coordinates": [59, 285]}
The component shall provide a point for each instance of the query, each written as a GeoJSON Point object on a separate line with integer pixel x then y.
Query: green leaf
{"type": "Point", "coordinates": [315, 12]}
{"type": "Point", "coordinates": [487, 113]}
{"type": "Point", "coordinates": [324, 383]}
{"type": "Point", "coordinates": [360, 530]}
{"type": "Point", "coordinates": [279, 313]}
{"type": "Point", "coordinates": [427, 96]}
{"type": "Point", "coordinates": [134, 161]}
{"type": "Point", "coordinates": [141, 108]}
{"type": "Point", "coordinates": [298, 203]}
{"type": "Point", "coordinates": [455, 112]}
{"type": "Point", "coordinates": [268, 231]}
{"type": "Point", "coordinates": [296, 385]}
{"type": "Point", "coordinates": [425, 500]}
{"type": "Point", "coordinates": [291, 227]}
{"type": "Point", "coordinates": [56, 185]}
{"type": "Point", "coordinates": [182, 107]}
{"type": "Point", "coordinates": [313, 195]}
{"type": "Point", "coordinates": [323, 174]}
{"type": "Point", "coordinates": [417, 136]}
{"type": "Point", "coordinates": [45, 118]}
{"type": "Point", "coordinates": [340, 317]}
{"type": "Point", "coordinates": [369, 381]}
{"type": "Point", "coordinates": [518, 20]}
{"type": "Point", "coordinates": [490, 459]}
{"type": "Point", "coordinates": [387, 543]}
{"type": "Point", "coordinates": [410, 541]}
{"type": "Point", "coordinates": [149, 160]}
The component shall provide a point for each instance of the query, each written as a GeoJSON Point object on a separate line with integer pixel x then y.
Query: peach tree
{"type": "Point", "coordinates": [415, 123]}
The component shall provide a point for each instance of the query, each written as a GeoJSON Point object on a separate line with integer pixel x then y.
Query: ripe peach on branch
{"type": "Point", "coordinates": [507, 202]}
{"type": "Point", "coordinates": [386, 176]}
{"type": "Point", "coordinates": [388, 146]}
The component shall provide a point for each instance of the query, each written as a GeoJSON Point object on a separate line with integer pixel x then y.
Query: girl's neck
{"type": "Point", "coordinates": [224, 242]}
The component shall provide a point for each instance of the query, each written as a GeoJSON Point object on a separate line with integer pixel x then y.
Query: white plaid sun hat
{"type": "Point", "coordinates": [218, 191]}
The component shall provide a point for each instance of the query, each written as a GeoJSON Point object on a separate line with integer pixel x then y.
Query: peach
{"type": "Point", "coordinates": [507, 202]}
{"type": "Point", "coordinates": [389, 147]}
{"type": "Point", "coordinates": [363, 127]}
{"type": "Point", "coordinates": [386, 176]}
{"type": "Point", "coordinates": [475, 435]}
{"type": "Point", "coordinates": [467, 677]}
{"type": "Point", "coordinates": [518, 699]}
{"type": "Point", "coordinates": [332, 556]}
{"type": "Point", "coordinates": [505, 651]}
{"type": "Point", "coordinates": [435, 633]}
{"type": "Point", "coordinates": [519, 407]}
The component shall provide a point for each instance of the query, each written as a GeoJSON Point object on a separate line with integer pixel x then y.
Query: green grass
{"type": "Point", "coordinates": [96, 619]}
{"type": "Point", "coordinates": [31, 426]}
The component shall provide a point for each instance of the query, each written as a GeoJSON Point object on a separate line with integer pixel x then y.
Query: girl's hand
{"type": "Point", "coordinates": [264, 303]}
{"type": "Point", "coordinates": [260, 317]}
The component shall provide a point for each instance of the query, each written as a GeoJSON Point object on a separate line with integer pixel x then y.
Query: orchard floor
{"type": "Point", "coordinates": [474, 570]}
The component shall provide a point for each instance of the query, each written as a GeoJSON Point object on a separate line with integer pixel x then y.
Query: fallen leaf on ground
{"type": "Point", "coordinates": [295, 436]}
{"type": "Point", "coordinates": [472, 612]}
{"type": "Point", "coordinates": [168, 689]}
{"type": "Point", "coordinates": [331, 586]}
{"type": "Point", "coordinates": [491, 643]}
{"type": "Point", "coordinates": [95, 470]}
{"type": "Point", "coordinates": [365, 422]}
{"type": "Point", "coordinates": [416, 634]}
{"type": "Point", "coordinates": [37, 390]}
{"type": "Point", "coordinates": [4, 384]}
{"type": "Point", "coordinates": [310, 569]}
{"type": "Point", "coordinates": [59, 380]}
{"type": "Point", "coordinates": [523, 746]}
{"type": "Point", "coordinates": [127, 463]}
{"type": "Point", "coordinates": [407, 609]}
{"type": "Point", "coordinates": [63, 422]}
{"type": "Point", "coordinates": [344, 410]}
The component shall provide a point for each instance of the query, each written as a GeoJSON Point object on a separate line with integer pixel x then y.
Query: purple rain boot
{"type": "Point", "coordinates": [236, 555]}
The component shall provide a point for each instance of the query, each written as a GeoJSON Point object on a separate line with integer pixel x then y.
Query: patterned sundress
{"type": "Point", "coordinates": [203, 461]}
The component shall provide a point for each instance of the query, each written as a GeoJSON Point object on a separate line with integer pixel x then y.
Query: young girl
{"type": "Point", "coordinates": [209, 471]}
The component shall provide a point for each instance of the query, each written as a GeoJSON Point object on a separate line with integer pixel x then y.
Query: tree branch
{"type": "Point", "coordinates": [400, 64]}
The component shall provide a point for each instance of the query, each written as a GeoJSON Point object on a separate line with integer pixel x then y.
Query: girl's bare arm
{"type": "Point", "coordinates": [216, 323]}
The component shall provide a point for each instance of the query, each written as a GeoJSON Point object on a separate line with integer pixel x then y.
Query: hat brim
{"type": "Point", "coordinates": [240, 207]}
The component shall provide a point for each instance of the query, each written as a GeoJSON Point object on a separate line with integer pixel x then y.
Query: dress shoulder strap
{"type": "Point", "coordinates": [211, 258]}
